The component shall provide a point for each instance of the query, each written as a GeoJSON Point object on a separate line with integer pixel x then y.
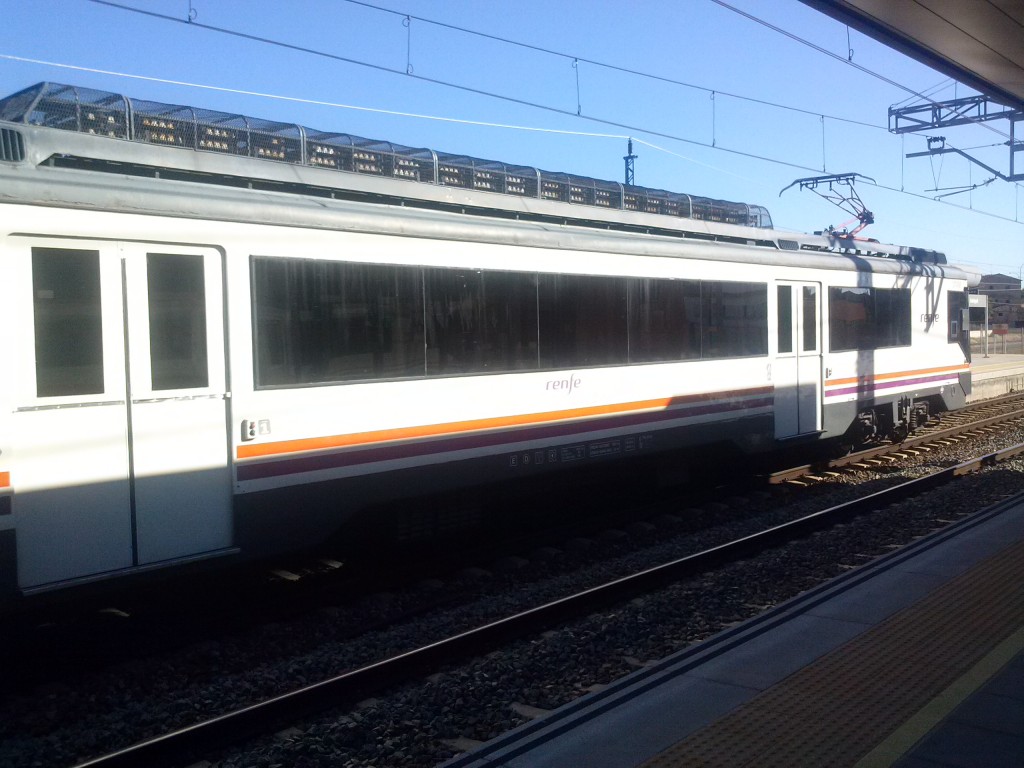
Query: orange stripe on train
{"type": "Point", "coordinates": [474, 425]}
{"type": "Point", "coordinates": [898, 375]}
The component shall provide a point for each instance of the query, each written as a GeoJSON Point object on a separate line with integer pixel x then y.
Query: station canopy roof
{"type": "Point", "coordinates": [979, 43]}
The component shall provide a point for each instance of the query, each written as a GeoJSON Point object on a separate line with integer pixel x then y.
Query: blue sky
{"type": "Point", "coordinates": [698, 42]}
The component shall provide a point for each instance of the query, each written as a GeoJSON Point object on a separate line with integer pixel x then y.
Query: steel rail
{"type": "Point", "coordinates": [191, 743]}
{"type": "Point", "coordinates": [794, 473]}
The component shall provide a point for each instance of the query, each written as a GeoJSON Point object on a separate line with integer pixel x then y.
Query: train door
{"type": "Point", "coordinates": [177, 418]}
{"type": "Point", "coordinates": [69, 447]}
{"type": "Point", "coordinates": [797, 367]}
{"type": "Point", "coordinates": [119, 445]}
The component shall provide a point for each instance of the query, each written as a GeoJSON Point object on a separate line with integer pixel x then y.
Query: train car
{"type": "Point", "coordinates": [226, 338]}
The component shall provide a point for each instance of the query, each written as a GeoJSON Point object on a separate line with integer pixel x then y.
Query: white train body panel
{"type": "Point", "coordinates": [135, 431]}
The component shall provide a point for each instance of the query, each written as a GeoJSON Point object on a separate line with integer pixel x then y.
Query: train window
{"type": "Point", "coordinates": [735, 319]}
{"type": "Point", "coordinates": [956, 306]}
{"type": "Point", "coordinates": [785, 327]}
{"type": "Point", "coordinates": [321, 322]}
{"type": "Point", "coordinates": [454, 304]}
{"type": "Point", "coordinates": [68, 324]}
{"type": "Point", "coordinates": [582, 321]}
{"type": "Point", "coordinates": [868, 318]}
{"type": "Point", "coordinates": [892, 308]}
{"type": "Point", "coordinates": [510, 321]}
{"type": "Point", "coordinates": [177, 320]}
{"type": "Point", "coordinates": [664, 320]}
{"type": "Point", "coordinates": [480, 322]}
{"type": "Point", "coordinates": [325, 321]}
{"type": "Point", "coordinates": [810, 316]}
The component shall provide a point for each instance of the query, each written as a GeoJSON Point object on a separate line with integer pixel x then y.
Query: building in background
{"type": "Point", "coordinates": [1004, 300]}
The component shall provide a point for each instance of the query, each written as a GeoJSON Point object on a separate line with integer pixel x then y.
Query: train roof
{"type": "Point", "coordinates": [62, 126]}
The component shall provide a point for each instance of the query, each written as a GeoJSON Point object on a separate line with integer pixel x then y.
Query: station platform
{"type": "Point", "coordinates": [914, 660]}
{"type": "Point", "coordinates": [995, 375]}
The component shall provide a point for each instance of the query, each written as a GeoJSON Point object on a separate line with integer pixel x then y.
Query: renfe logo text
{"type": "Point", "coordinates": [567, 384]}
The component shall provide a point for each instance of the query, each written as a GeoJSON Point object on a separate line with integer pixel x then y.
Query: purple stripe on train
{"type": "Point", "coordinates": [874, 386]}
{"type": "Point", "coordinates": [486, 439]}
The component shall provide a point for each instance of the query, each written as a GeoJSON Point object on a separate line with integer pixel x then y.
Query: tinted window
{"type": "Point", "coordinates": [177, 321]}
{"type": "Point", "coordinates": [735, 319]}
{"type": "Point", "coordinates": [480, 322]}
{"type": "Point", "coordinates": [868, 318]}
{"type": "Point", "coordinates": [510, 321]}
{"type": "Point", "coordinates": [326, 321]}
{"type": "Point", "coordinates": [454, 304]}
{"type": "Point", "coordinates": [68, 325]}
{"type": "Point", "coordinates": [956, 303]}
{"type": "Point", "coordinates": [810, 316]}
{"type": "Point", "coordinates": [664, 320]}
{"type": "Point", "coordinates": [892, 310]}
{"type": "Point", "coordinates": [582, 321]}
{"type": "Point", "coordinates": [785, 294]}
{"type": "Point", "coordinates": [323, 322]}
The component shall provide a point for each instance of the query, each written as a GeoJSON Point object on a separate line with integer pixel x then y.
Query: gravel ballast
{"type": "Point", "coordinates": [423, 723]}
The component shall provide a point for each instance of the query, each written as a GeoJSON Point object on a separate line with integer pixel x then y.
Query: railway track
{"type": "Point", "coordinates": [304, 584]}
{"type": "Point", "coordinates": [184, 745]}
{"type": "Point", "coordinates": [972, 420]}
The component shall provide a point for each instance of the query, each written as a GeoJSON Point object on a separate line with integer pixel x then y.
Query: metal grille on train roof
{"type": "Point", "coordinates": [85, 110]}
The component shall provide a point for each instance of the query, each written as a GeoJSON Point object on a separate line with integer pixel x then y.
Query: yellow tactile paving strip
{"type": "Point", "coordinates": [836, 710]}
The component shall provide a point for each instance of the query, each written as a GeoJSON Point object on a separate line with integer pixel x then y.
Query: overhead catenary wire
{"type": "Point", "coordinates": [848, 62]}
{"type": "Point", "coordinates": [610, 66]}
{"type": "Point", "coordinates": [927, 91]}
{"type": "Point", "coordinates": [633, 135]}
{"type": "Point", "coordinates": [406, 17]}
{"type": "Point", "coordinates": [926, 94]}
{"type": "Point", "coordinates": [576, 59]}
{"type": "Point", "coordinates": [639, 73]}
{"type": "Point", "coordinates": [632, 129]}
{"type": "Point", "coordinates": [302, 100]}
{"type": "Point", "coordinates": [524, 102]}
{"type": "Point", "coordinates": [376, 110]}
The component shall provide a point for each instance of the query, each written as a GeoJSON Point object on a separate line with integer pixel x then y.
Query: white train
{"type": "Point", "coordinates": [224, 337]}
